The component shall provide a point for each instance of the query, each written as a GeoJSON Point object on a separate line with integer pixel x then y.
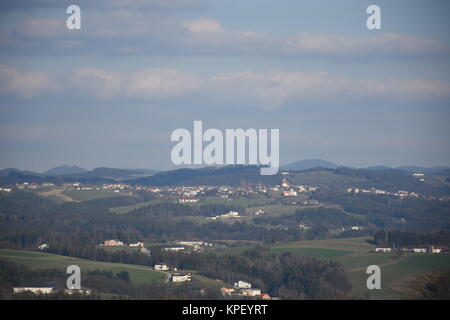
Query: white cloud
{"type": "Point", "coordinates": [139, 32]}
{"type": "Point", "coordinates": [202, 25]}
{"type": "Point", "coordinates": [273, 89]}
{"type": "Point", "coordinates": [26, 84]}
{"type": "Point", "coordinates": [266, 89]}
{"type": "Point", "coordinates": [161, 83]}
{"type": "Point", "coordinates": [101, 84]}
{"type": "Point", "coordinates": [269, 90]}
{"type": "Point", "coordinates": [389, 43]}
{"type": "Point", "coordinates": [151, 83]}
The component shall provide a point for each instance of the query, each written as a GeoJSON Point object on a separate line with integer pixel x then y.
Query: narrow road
{"type": "Point", "coordinates": [393, 261]}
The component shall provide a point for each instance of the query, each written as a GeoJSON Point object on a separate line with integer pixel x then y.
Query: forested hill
{"type": "Point", "coordinates": [390, 180]}
{"type": "Point", "coordinates": [62, 174]}
{"type": "Point", "coordinates": [213, 176]}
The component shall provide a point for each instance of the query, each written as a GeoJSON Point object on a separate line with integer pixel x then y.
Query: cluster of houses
{"type": "Point", "coordinates": [195, 245]}
{"type": "Point", "coordinates": [231, 214]}
{"type": "Point", "coordinates": [416, 249]}
{"type": "Point", "coordinates": [118, 243]}
{"type": "Point", "coordinates": [243, 288]}
{"type": "Point", "coordinates": [352, 228]}
{"type": "Point", "coordinates": [400, 193]}
{"type": "Point", "coordinates": [257, 212]}
{"type": "Point", "coordinates": [293, 190]}
{"type": "Point", "coordinates": [48, 288]}
{"type": "Point", "coordinates": [184, 245]}
{"type": "Point", "coordinates": [181, 277]}
{"type": "Point", "coordinates": [174, 248]}
{"type": "Point", "coordinates": [191, 194]}
{"type": "Point", "coordinates": [180, 246]}
{"type": "Point", "coordinates": [188, 200]}
{"type": "Point", "coordinates": [176, 276]}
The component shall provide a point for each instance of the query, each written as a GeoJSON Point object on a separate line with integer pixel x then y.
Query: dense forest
{"type": "Point", "coordinates": [391, 213]}
{"type": "Point", "coordinates": [27, 220]}
{"type": "Point", "coordinates": [398, 238]}
{"type": "Point", "coordinates": [236, 175]}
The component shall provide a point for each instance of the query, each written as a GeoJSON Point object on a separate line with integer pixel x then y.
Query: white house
{"type": "Point", "coordinates": [43, 246]}
{"type": "Point", "coordinates": [113, 242]}
{"type": "Point", "coordinates": [251, 292]}
{"type": "Point", "coordinates": [37, 289]}
{"type": "Point", "coordinates": [78, 291]}
{"type": "Point", "coordinates": [258, 212]}
{"type": "Point", "coordinates": [290, 193]}
{"type": "Point", "coordinates": [174, 249]}
{"type": "Point", "coordinates": [242, 285]}
{"type": "Point", "coordinates": [137, 244]}
{"type": "Point", "coordinates": [383, 249]}
{"type": "Point", "coordinates": [230, 214]}
{"type": "Point", "coordinates": [181, 277]}
{"type": "Point", "coordinates": [189, 200]}
{"type": "Point", "coordinates": [161, 267]}
{"type": "Point", "coordinates": [438, 249]}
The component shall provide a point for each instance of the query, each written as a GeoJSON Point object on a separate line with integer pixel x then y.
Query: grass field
{"type": "Point", "coordinates": [86, 195]}
{"type": "Point", "coordinates": [354, 254]}
{"type": "Point", "coordinates": [257, 200]}
{"type": "Point", "coordinates": [276, 210]}
{"type": "Point", "coordinates": [319, 253]}
{"type": "Point", "coordinates": [31, 259]}
{"type": "Point", "coordinates": [127, 209]}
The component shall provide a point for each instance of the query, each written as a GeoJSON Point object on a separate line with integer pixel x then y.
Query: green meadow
{"type": "Point", "coordinates": [31, 259]}
{"type": "Point", "coordinates": [86, 195]}
{"type": "Point", "coordinates": [355, 256]}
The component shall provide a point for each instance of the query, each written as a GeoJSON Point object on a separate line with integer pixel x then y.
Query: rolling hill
{"type": "Point", "coordinates": [63, 170]}
{"type": "Point", "coordinates": [229, 175]}
{"type": "Point", "coordinates": [309, 164]}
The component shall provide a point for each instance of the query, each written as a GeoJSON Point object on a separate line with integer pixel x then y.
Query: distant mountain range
{"type": "Point", "coordinates": [103, 173]}
{"type": "Point", "coordinates": [309, 164]}
{"type": "Point", "coordinates": [63, 170]}
{"type": "Point", "coordinates": [8, 171]}
{"type": "Point", "coordinates": [415, 169]}
{"type": "Point", "coordinates": [67, 173]}
{"type": "Point", "coordinates": [318, 163]}
{"type": "Point", "coordinates": [227, 175]}
{"type": "Point", "coordinates": [214, 176]}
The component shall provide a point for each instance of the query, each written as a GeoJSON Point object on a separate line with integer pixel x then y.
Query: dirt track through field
{"type": "Point", "coordinates": [58, 194]}
{"type": "Point", "coordinates": [393, 261]}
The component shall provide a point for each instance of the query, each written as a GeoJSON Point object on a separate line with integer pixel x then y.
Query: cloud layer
{"type": "Point", "coordinates": [269, 89]}
{"type": "Point", "coordinates": [26, 84]}
{"type": "Point", "coordinates": [121, 29]}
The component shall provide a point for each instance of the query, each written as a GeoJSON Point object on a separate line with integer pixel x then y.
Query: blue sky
{"type": "Point", "coordinates": [111, 93]}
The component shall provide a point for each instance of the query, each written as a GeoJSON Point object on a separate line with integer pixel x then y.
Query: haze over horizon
{"type": "Point", "coordinates": [111, 93]}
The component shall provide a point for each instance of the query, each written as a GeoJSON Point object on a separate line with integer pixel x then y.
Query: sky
{"type": "Point", "coordinates": [111, 93]}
